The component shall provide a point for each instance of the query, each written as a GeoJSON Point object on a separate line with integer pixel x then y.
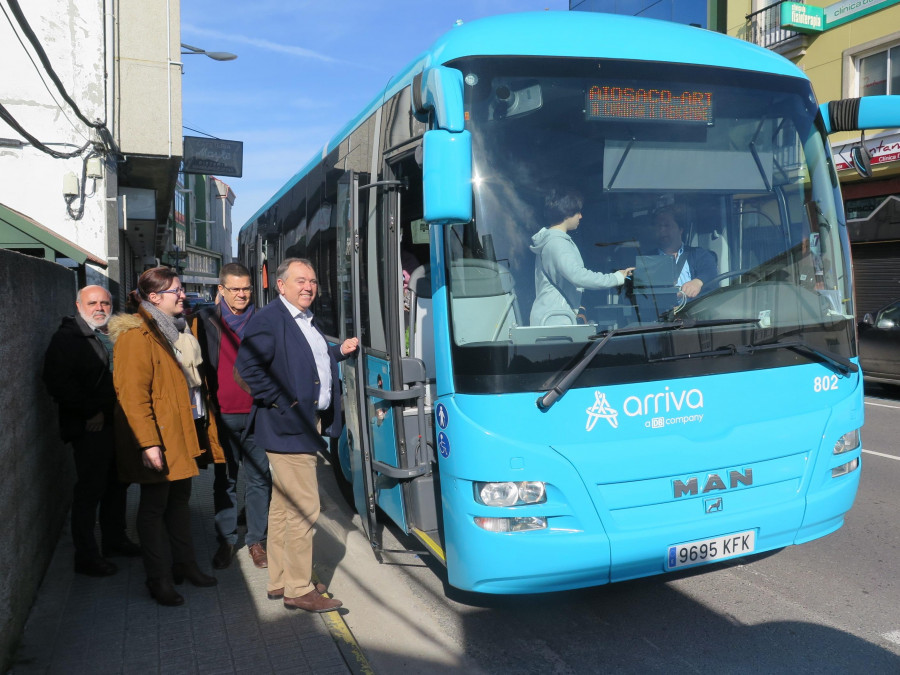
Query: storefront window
{"type": "Point", "coordinates": [879, 73]}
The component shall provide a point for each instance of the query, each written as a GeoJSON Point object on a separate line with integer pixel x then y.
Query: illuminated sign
{"type": "Point", "coordinates": [802, 18]}
{"type": "Point", "coordinates": [646, 104]}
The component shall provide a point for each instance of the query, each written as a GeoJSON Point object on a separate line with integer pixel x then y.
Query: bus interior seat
{"type": "Point", "coordinates": [421, 320]}
{"type": "Point", "coordinates": [485, 306]}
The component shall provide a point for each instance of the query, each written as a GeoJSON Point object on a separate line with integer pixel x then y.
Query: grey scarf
{"type": "Point", "coordinates": [182, 341]}
{"type": "Point", "coordinates": [167, 324]}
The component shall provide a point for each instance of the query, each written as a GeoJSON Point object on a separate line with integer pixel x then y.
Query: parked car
{"type": "Point", "coordinates": [193, 302]}
{"type": "Point", "coordinates": [879, 344]}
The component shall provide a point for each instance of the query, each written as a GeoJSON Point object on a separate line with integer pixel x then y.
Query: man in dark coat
{"type": "Point", "coordinates": [292, 375]}
{"type": "Point", "coordinates": [78, 375]}
{"type": "Point", "coordinates": [220, 330]}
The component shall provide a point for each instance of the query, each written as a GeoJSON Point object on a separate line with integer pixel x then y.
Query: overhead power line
{"type": "Point", "coordinates": [43, 80]}
{"type": "Point", "coordinates": [42, 55]}
{"type": "Point", "coordinates": [11, 121]}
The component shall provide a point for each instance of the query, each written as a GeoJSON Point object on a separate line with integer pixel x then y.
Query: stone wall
{"type": "Point", "coordinates": [37, 469]}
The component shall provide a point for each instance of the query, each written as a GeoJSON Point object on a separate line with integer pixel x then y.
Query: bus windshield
{"type": "Point", "coordinates": [716, 186]}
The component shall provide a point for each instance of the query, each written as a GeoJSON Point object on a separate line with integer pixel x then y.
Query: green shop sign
{"type": "Point", "coordinates": [849, 10]}
{"type": "Point", "coordinates": [803, 18]}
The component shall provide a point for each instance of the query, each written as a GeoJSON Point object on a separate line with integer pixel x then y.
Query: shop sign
{"type": "Point", "coordinates": [213, 156]}
{"type": "Point", "coordinates": [802, 18]}
{"type": "Point", "coordinates": [883, 151]}
{"type": "Point", "coordinates": [850, 10]}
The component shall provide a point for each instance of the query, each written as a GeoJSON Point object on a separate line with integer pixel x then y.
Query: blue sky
{"type": "Point", "coordinates": [304, 69]}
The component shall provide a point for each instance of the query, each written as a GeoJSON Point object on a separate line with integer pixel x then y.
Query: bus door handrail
{"type": "Point", "coordinates": [422, 464]}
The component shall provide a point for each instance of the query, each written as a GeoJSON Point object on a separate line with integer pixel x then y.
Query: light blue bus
{"type": "Point", "coordinates": [647, 429]}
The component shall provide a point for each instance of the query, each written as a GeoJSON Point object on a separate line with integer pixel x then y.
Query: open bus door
{"type": "Point", "coordinates": [389, 457]}
{"type": "Point", "coordinates": [353, 371]}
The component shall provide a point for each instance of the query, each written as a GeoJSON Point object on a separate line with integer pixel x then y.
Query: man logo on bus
{"type": "Point", "coordinates": [601, 409]}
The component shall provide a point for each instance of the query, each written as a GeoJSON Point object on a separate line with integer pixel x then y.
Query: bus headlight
{"type": "Point", "coordinates": [847, 442]}
{"type": "Point", "coordinates": [511, 493]}
{"type": "Point", "coordinates": [511, 524]}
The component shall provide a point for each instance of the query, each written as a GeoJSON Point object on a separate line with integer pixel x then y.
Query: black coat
{"type": "Point", "coordinates": [78, 377]}
{"type": "Point", "coordinates": [207, 328]}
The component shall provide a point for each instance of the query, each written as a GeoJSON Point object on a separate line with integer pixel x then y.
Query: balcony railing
{"type": "Point", "coordinates": [764, 26]}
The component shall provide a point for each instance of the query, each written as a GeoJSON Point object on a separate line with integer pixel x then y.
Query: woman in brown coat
{"type": "Point", "coordinates": [162, 427]}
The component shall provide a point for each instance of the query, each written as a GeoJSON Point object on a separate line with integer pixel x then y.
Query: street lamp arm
{"type": "Point", "coordinates": [215, 56]}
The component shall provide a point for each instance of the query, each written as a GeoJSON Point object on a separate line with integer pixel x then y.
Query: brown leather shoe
{"type": "Point", "coordinates": [313, 602]}
{"type": "Point", "coordinates": [278, 593]}
{"type": "Point", "coordinates": [258, 553]}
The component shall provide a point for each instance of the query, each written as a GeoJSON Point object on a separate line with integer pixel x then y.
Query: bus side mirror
{"type": "Point", "coordinates": [862, 160]}
{"type": "Point", "coordinates": [447, 176]}
{"type": "Point", "coordinates": [439, 91]}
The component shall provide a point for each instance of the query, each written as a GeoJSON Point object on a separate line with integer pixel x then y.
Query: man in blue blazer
{"type": "Point", "coordinates": [293, 378]}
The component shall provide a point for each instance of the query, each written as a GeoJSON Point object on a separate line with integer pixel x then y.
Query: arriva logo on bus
{"type": "Point", "coordinates": [661, 409]}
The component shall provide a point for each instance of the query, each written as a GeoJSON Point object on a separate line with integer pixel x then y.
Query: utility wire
{"type": "Point", "coordinates": [40, 74]}
{"type": "Point", "coordinates": [11, 121]}
{"type": "Point", "coordinates": [42, 55]}
{"type": "Point", "coordinates": [197, 131]}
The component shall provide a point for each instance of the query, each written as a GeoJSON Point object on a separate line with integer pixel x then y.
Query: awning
{"type": "Point", "coordinates": [19, 232]}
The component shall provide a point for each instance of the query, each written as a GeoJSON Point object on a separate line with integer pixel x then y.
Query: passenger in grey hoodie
{"type": "Point", "coordinates": [560, 276]}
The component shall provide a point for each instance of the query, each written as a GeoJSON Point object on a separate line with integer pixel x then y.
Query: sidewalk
{"type": "Point", "coordinates": [81, 624]}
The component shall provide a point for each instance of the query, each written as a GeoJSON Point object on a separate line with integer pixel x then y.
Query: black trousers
{"type": "Point", "coordinates": [97, 485]}
{"type": "Point", "coordinates": [164, 526]}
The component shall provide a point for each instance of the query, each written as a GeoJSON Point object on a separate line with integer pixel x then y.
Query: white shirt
{"type": "Point", "coordinates": [685, 275]}
{"type": "Point", "coordinates": [319, 349]}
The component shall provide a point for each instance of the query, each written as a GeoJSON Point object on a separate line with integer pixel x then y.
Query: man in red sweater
{"type": "Point", "coordinates": [219, 330]}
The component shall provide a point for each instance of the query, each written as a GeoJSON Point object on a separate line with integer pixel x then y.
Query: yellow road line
{"type": "Point", "coordinates": [348, 646]}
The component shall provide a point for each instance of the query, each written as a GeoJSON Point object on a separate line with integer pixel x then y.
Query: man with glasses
{"type": "Point", "coordinates": [219, 330]}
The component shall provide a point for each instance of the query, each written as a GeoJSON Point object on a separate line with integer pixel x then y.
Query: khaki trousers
{"type": "Point", "coordinates": [292, 517]}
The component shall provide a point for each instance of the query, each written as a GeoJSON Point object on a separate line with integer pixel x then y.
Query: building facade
{"type": "Point", "coordinates": [848, 49]}
{"type": "Point", "coordinates": [90, 127]}
{"type": "Point", "coordinates": [200, 232]}
{"type": "Point", "coordinates": [692, 12]}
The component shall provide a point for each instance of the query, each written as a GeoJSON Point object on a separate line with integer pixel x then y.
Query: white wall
{"type": "Point", "coordinates": [71, 33]}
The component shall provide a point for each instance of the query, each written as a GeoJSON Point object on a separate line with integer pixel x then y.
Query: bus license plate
{"type": "Point", "coordinates": [707, 550]}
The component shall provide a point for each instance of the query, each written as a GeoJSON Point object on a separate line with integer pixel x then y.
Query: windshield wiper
{"type": "Point", "coordinates": [730, 350]}
{"type": "Point", "coordinates": [546, 401]}
{"type": "Point", "coordinates": [841, 364]}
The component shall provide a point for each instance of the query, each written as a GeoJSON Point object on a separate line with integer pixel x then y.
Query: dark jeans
{"type": "Point", "coordinates": [257, 483]}
{"type": "Point", "coordinates": [97, 485]}
{"type": "Point", "coordinates": [164, 526]}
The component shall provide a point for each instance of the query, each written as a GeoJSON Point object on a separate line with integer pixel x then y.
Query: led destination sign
{"type": "Point", "coordinates": [615, 102]}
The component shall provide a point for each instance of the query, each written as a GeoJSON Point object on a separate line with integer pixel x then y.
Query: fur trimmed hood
{"type": "Point", "coordinates": [120, 323]}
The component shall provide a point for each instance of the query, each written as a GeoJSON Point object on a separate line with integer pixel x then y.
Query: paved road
{"type": "Point", "coordinates": [829, 606]}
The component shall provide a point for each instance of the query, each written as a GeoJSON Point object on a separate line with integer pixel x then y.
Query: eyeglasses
{"type": "Point", "coordinates": [176, 291]}
{"type": "Point", "coordinates": [243, 289]}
